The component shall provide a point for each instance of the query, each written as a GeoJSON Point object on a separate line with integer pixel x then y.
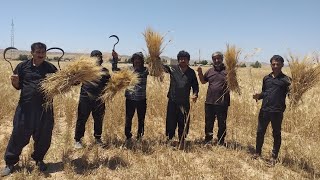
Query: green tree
{"type": "Point", "coordinates": [257, 64]}
{"type": "Point", "coordinates": [203, 62]}
{"type": "Point", "coordinates": [23, 57]}
{"type": "Point", "coordinates": [243, 65]}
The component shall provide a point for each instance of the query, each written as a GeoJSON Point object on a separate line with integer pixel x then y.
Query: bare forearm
{"type": "Point", "coordinates": [201, 78]}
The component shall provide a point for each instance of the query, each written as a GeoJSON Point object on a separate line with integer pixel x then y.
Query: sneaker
{"type": "Point", "coordinates": [78, 145]}
{"type": "Point", "coordinates": [273, 161]}
{"type": "Point", "coordinates": [256, 156]}
{"type": "Point", "coordinates": [139, 137]}
{"type": "Point", "coordinates": [99, 142]}
{"type": "Point", "coordinates": [41, 166]}
{"type": "Point", "coordinates": [7, 170]}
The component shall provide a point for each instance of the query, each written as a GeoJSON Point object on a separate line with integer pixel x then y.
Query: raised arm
{"type": "Point", "coordinates": [201, 77]}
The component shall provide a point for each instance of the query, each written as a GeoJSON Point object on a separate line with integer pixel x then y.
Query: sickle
{"type": "Point", "coordinates": [4, 55]}
{"type": "Point", "coordinates": [116, 42]}
{"type": "Point", "coordinates": [60, 56]}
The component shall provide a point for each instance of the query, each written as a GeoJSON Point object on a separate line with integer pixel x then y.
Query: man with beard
{"type": "Point", "coordinates": [217, 99]}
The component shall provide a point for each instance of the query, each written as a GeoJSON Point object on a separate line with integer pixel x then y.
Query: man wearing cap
{"type": "Point", "coordinates": [217, 99]}
{"type": "Point", "coordinates": [182, 79]}
{"type": "Point", "coordinates": [136, 97]}
{"type": "Point", "coordinates": [91, 103]}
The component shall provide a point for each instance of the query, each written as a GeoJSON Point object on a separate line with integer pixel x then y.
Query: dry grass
{"type": "Point", "coordinates": [154, 41]}
{"type": "Point", "coordinates": [305, 76]}
{"type": "Point", "coordinates": [83, 70]}
{"type": "Point", "coordinates": [151, 158]}
{"type": "Point", "coordinates": [231, 57]}
{"type": "Point", "coordinates": [120, 81]}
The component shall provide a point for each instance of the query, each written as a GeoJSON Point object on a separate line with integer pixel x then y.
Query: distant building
{"type": "Point", "coordinates": [169, 61]}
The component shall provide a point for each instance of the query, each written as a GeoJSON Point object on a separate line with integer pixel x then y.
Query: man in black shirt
{"type": "Point", "coordinates": [31, 117]}
{"type": "Point", "coordinates": [136, 97]}
{"type": "Point", "coordinates": [90, 102]}
{"type": "Point", "coordinates": [275, 87]}
{"type": "Point", "coordinates": [182, 79]}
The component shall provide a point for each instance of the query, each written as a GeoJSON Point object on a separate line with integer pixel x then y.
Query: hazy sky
{"type": "Point", "coordinates": [82, 25]}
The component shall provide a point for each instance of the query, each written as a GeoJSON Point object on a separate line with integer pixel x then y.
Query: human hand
{"type": "Point", "coordinates": [194, 98]}
{"type": "Point", "coordinates": [114, 54]}
{"type": "Point", "coordinates": [256, 96]}
{"type": "Point", "coordinates": [199, 69]}
{"type": "Point", "coordinates": [15, 80]}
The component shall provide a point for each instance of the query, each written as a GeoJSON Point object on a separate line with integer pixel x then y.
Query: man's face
{"type": "Point", "coordinates": [99, 60]}
{"type": "Point", "coordinates": [217, 60]}
{"type": "Point", "coordinates": [39, 54]}
{"type": "Point", "coordinates": [137, 62]}
{"type": "Point", "coordinates": [276, 66]}
{"type": "Point", "coordinates": [183, 62]}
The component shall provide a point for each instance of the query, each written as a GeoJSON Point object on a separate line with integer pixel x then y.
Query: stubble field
{"type": "Point", "coordinates": [152, 158]}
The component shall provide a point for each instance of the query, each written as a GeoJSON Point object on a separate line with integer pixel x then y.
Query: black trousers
{"type": "Point", "coordinates": [276, 121]}
{"type": "Point", "coordinates": [220, 113]}
{"type": "Point", "coordinates": [131, 107]}
{"type": "Point", "coordinates": [30, 120]}
{"type": "Point", "coordinates": [177, 116]}
{"type": "Point", "coordinates": [85, 107]}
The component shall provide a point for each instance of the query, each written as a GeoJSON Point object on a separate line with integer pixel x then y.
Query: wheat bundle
{"type": "Point", "coordinates": [305, 75]}
{"type": "Point", "coordinates": [84, 70]}
{"type": "Point", "coordinates": [231, 57]}
{"type": "Point", "coordinates": [154, 41]}
{"type": "Point", "coordinates": [119, 81]}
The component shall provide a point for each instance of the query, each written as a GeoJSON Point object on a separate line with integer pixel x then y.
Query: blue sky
{"type": "Point", "coordinates": [82, 25]}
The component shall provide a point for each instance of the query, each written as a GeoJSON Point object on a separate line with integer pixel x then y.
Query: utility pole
{"type": "Point", "coordinates": [12, 38]}
{"type": "Point", "coordinates": [199, 56]}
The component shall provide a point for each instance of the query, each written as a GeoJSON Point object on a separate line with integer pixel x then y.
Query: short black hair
{"type": "Point", "coordinates": [38, 45]}
{"type": "Point", "coordinates": [137, 55]}
{"type": "Point", "coordinates": [95, 53]}
{"type": "Point", "coordinates": [183, 54]}
{"type": "Point", "coordinates": [277, 58]}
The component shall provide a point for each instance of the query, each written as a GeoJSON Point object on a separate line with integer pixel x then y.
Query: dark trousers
{"type": "Point", "coordinates": [177, 115]}
{"type": "Point", "coordinates": [211, 113]}
{"type": "Point", "coordinates": [276, 121]}
{"type": "Point", "coordinates": [131, 107]}
{"type": "Point", "coordinates": [30, 120]}
{"type": "Point", "coordinates": [85, 107]}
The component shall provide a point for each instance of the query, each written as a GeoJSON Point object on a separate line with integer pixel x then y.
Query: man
{"type": "Point", "coordinates": [114, 61]}
{"type": "Point", "coordinates": [182, 79]}
{"type": "Point", "coordinates": [274, 90]}
{"type": "Point", "coordinates": [91, 103]}
{"type": "Point", "coordinates": [136, 97]}
{"type": "Point", "coordinates": [217, 99]}
{"type": "Point", "coordinates": [31, 117]}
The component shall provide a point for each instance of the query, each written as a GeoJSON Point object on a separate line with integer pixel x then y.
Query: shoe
{"type": "Point", "coordinates": [41, 166]}
{"type": "Point", "coordinates": [273, 161]}
{"type": "Point", "coordinates": [7, 170]}
{"type": "Point", "coordinates": [139, 137]}
{"type": "Point", "coordinates": [256, 156]}
{"type": "Point", "coordinates": [99, 141]}
{"type": "Point", "coordinates": [78, 145]}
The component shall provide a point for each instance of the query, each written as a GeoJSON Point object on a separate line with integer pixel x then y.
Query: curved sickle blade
{"type": "Point", "coordinates": [4, 55]}
{"type": "Point", "coordinates": [114, 46]}
{"type": "Point", "coordinates": [60, 56]}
